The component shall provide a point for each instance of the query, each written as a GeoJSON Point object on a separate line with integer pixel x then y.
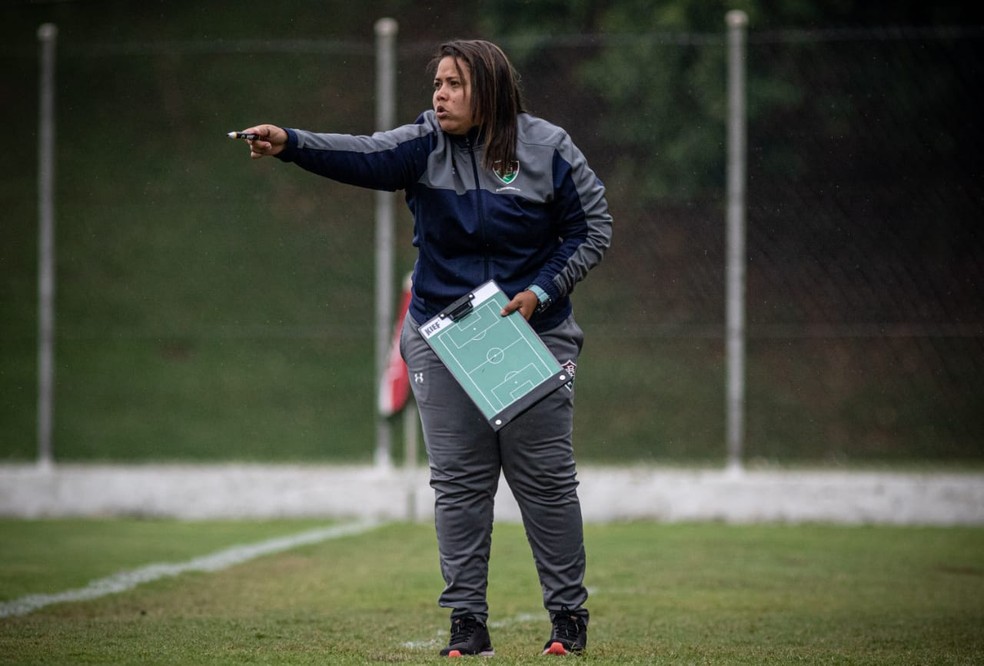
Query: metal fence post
{"type": "Point", "coordinates": [737, 22]}
{"type": "Point", "coordinates": [386, 29]}
{"type": "Point", "coordinates": [47, 34]}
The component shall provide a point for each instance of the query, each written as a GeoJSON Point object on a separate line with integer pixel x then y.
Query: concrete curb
{"type": "Point", "coordinates": [607, 494]}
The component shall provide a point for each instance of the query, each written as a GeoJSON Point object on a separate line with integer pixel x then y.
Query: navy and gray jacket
{"type": "Point", "coordinates": [544, 225]}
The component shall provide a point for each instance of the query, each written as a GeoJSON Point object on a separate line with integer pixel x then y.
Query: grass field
{"type": "Point", "coordinates": [663, 594]}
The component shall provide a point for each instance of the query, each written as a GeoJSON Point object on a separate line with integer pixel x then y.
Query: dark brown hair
{"type": "Point", "coordinates": [496, 98]}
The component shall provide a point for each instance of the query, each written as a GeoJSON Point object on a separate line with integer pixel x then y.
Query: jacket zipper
{"type": "Point", "coordinates": [480, 210]}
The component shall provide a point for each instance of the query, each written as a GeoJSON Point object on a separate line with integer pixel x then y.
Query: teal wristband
{"type": "Point", "coordinates": [542, 296]}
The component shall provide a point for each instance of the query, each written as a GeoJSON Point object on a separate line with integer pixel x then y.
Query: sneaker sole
{"type": "Point", "coordinates": [556, 649]}
{"type": "Point", "coordinates": [458, 653]}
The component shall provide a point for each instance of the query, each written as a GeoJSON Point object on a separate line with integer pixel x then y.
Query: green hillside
{"type": "Point", "coordinates": [215, 308]}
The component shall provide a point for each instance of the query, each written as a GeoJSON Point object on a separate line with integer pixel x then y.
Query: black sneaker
{"type": "Point", "coordinates": [569, 636]}
{"type": "Point", "coordinates": [469, 635]}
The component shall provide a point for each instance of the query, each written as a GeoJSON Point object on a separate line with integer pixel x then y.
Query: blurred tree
{"type": "Point", "coordinates": [659, 74]}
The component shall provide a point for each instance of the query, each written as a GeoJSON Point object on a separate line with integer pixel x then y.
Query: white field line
{"type": "Point", "coordinates": [442, 635]}
{"type": "Point", "coordinates": [223, 559]}
{"type": "Point", "coordinates": [522, 618]}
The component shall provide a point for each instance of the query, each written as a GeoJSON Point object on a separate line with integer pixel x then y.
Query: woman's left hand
{"type": "Point", "coordinates": [525, 301]}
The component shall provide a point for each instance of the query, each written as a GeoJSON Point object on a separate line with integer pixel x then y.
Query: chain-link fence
{"type": "Point", "coordinates": [212, 307]}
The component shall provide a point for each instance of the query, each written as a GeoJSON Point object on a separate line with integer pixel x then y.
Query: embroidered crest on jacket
{"type": "Point", "coordinates": [507, 175]}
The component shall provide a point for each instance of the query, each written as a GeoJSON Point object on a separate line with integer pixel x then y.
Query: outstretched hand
{"type": "Point", "coordinates": [525, 301]}
{"type": "Point", "coordinates": [271, 141]}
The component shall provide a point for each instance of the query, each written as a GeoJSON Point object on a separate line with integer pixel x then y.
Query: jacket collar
{"type": "Point", "coordinates": [474, 138]}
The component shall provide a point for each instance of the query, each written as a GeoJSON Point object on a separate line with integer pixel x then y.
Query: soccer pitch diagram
{"type": "Point", "coordinates": [501, 363]}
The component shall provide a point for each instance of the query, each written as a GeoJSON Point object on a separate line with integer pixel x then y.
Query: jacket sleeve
{"type": "Point", "coordinates": [390, 160]}
{"type": "Point", "coordinates": [582, 219]}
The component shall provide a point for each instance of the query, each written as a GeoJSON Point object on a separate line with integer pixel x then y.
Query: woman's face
{"type": "Point", "coordinates": [452, 96]}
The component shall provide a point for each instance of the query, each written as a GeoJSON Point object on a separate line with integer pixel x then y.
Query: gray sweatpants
{"type": "Point", "coordinates": [534, 453]}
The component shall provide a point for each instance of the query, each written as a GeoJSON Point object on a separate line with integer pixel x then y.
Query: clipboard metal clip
{"type": "Point", "coordinates": [460, 308]}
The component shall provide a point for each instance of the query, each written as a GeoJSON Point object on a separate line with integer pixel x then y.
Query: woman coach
{"type": "Point", "coordinates": [495, 193]}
